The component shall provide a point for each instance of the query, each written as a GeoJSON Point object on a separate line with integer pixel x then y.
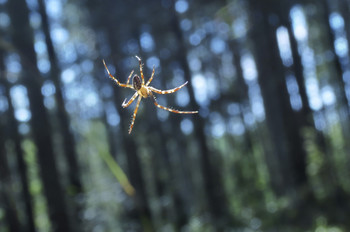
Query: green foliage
{"type": "Point", "coordinates": [35, 187]}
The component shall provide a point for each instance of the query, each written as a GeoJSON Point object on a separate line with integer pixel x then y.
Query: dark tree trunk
{"type": "Point", "coordinates": [75, 187]}
{"type": "Point", "coordinates": [214, 190]}
{"type": "Point", "coordinates": [340, 89]}
{"type": "Point", "coordinates": [298, 70]}
{"type": "Point", "coordinates": [6, 195]}
{"type": "Point", "coordinates": [181, 205]}
{"type": "Point", "coordinates": [339, 82]}
{"type": "Point", "coordinates": [345, 13]}
{"type": "Point", "coordinates": [305, 115]}
{"type": "Point", "coordinates": [281, 119]}
{"type": "Point", "coordinates": [241, 89]}
{"type": "Point", "coordinates": [15, 136]}
{"type": "Point", "coordinates": [22, 37]}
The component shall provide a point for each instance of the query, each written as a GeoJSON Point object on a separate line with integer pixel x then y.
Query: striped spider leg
{"type": "Point", "coordinates": [144, 91]}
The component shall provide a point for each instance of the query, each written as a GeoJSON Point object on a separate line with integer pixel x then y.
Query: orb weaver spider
{"type": "Point", "coordinates": [144, 91]}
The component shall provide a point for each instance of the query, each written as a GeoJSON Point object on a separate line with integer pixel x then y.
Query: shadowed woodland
{"type": "Point", "coordinates": [267, 151]}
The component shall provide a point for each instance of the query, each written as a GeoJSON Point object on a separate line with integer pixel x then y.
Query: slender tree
{"type": "Point", "coordinates": [16, 138]}
{"type": "Point", "coordinates": [216, 198]}
{"type": "Point", "coordinates": [40, 126]}
{"type": "Point", "coordinates": [7, 200]}
{"type": "Point", "coordinates": [281, 120]}
{"type": "Point", "coordinates": [75, 187]}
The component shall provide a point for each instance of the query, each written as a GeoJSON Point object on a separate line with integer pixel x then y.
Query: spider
{"type": "Point", "coordinates": [144, 91]}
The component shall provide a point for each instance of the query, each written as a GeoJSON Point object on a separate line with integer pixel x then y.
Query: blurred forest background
{"type": "Point", "coordinates": [268, 150]}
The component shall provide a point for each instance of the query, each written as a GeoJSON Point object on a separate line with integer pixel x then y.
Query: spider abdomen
{"type": "Point", "coordinates": [136, 82]}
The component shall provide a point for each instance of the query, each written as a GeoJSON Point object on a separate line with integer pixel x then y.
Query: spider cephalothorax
{"type": "Point", "coordinates": [143, 91]}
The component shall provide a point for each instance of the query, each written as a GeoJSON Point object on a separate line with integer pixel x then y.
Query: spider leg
{"type": "Point", "coordinates": [171, 110]}
{"type": "Point", "coordinates": [126, 104]}
{"type": "Point", "coordinates": [141, 71]}
{"type": "Point", "coordinates": [151, 78]}
{"type": "Point", "coordinates": [167, 91]}
{"type": "Point", "coordinates": [115, 79]}
{"type": "Point", "coordinates": [134, 115]}
{"type": "Point", "coordinates": [129, 77]}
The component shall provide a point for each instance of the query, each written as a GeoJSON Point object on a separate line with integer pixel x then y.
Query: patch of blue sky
{"type": "Point", "coordinates": [312, 89]}
{"type": "Point", "coordinates": [328, 95]}
{"type": "Point", "coordinates": [197, 37]}
{"type": "Point", "coordinates": [235, 126]}
{"type": "Point", "coordinates": [186, 24]}
{"type": "Point", "coordinates": [182, 98]}
{"type": "Point", "coordinates": [43, 65]}
{"type": "Point", "coordinates": [48, 89]}
{"type": "Point", "coordinates": [4, 20]}
{"type": "Point", "coordinates": [336, 21]}
{"type": "Point", "coordinates": [23, 115]}
{"type": "Point", "coordinates": [256, 102]}
{"type": "Point", "coordinates": [218, 127]}
{"type": "Point", "coordinates": [147, 42]}
{"type": "Point", "coordinates": [3, 103]}
{"type": "Point", "coordinates": [186, 126]}
{"type": "Point", "coordinates": [250, 72]}
{"type": "Point", "coordinates": [293, 90]}
{"type": "Point", "coordinates": [284, 46]}
{"type": "Point", "coordinates": [217, 45]}
{"type": "Point", "coordinates": [233, 109]}
{"type": "Point", "coordinates": [90, 99]}
{"type": "Point", "coordinates": [195, 64]}
{"type": "Point", "coordinates": [54, 8]}
{"type": "Point", "coordinates": [20, 102]}
{"type": "Point", "coordinates": [341, 46]}
{"type": "Point", "coordinates": [162, 114]}
{"type": "Point", "coordinates": [249, 119]}
{"type": "Point", "coordinates": [40, 47]}
{"type": "Point", "coordinates": [59, 35]}
{"type": "Point", "coordinates": [68, 75]}
{"type": "Point", "coordinates": [200, 89]}
{"type": "Point", "coordinates": [153, 61]}
{"type": "Point", "coordinates": [112, 115]}
{"type": "Point", "coordinates": [13, 63]}
{"type": "Point", "coordinates": [181, 6]}
{"type": "Point", "coordinates": [239, 27]}
{"type": "Point", "coordinates": [87, 66]}
{"type": "Point", "coordinates": [299, 23]}
{"type": "Point", "coordinates": [35, 19]}
{"type": "Point", "coordinates": [32, 4]}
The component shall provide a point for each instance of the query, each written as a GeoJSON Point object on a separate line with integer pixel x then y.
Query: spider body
{"type": "Point", "coordinates": [141, 89]}
{"type": "Point", "coordinates": [144, 91]}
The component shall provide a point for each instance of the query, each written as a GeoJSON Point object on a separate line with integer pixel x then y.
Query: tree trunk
{"type": "Point", "coordinates": [340, 84]}
{"type": "Point", "coordinates": [16, 137]}
{"type": "Point", "coordinates": [6, 195]}
{"type": "Point", "coordinates": [22, 37]}
{"type": "Point", "coordinates": [75, 187]}
{"type": "Point", "coordinates": [281, 119]}
{"type": "Point", "coordinates": [214, 190]}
